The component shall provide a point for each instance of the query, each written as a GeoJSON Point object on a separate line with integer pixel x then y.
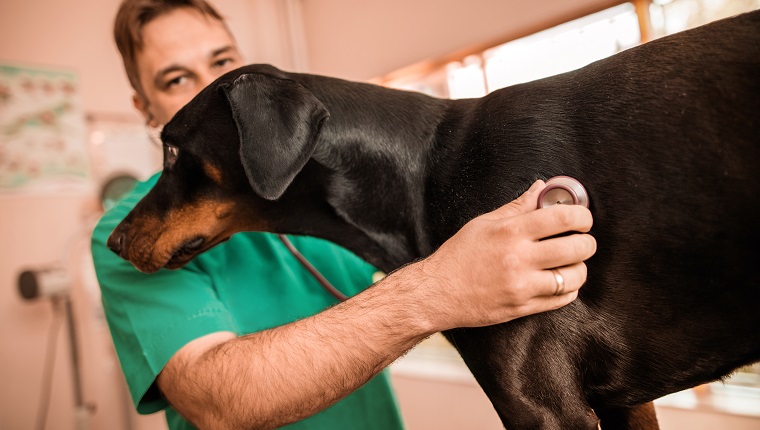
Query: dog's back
{"type": "Point", "coordinates": [666, 138]}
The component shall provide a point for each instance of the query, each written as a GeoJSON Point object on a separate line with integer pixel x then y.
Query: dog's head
{"type": "Point", "coordinates": [235, 148]}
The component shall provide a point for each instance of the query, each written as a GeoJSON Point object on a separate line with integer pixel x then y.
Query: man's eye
{"type": "Point", "coordinates": [224, 63]}
{"type": "Point", "coordinates": [174, 82]}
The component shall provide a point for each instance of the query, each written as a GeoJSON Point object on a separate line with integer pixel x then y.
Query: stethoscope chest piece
{"type": "Point", "coordinates": [563, 190]}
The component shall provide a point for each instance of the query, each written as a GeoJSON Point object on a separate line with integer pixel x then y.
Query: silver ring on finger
{"type": "Point", "coordinates": [560, 280]}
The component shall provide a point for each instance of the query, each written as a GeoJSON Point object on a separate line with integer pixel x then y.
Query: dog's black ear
{"type": "Point", "coordinates": [278, 122]}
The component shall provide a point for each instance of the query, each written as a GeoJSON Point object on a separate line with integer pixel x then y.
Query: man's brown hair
{"type": "Point", "coordinates": [133, 15]}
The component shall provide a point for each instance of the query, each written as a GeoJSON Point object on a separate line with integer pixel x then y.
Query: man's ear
{"type": "Point", "coordinates": [141, 105]}
{"type": "Point", "coordinates": [278, 122]}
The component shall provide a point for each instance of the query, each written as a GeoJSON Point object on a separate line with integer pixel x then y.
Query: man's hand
{"type": "Point", "coordinates": [496, 268]}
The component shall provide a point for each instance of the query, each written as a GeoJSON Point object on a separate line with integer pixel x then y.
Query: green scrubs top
{"type": "Point", "coordinates": [246, 284]}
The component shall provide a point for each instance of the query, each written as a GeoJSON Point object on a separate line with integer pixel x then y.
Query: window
{"type": "Point", "coordinates": [556, 50]}
{"type": "Point", "coordinates": [672, 16]}
{"type": "Point", "coordinates": [566, 47]}
{"type": "Point", "coordinates": [563, 48]}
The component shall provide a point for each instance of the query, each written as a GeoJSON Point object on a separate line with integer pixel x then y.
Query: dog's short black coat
{"type": "Point", "coordinates": [665, 137]}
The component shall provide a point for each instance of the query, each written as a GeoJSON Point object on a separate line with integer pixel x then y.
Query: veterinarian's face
{"type": "Point", "coordinates": [183, 51]}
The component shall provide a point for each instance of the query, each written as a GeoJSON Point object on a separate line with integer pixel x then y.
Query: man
{"type": "Point", "coordinates": [243, 336]}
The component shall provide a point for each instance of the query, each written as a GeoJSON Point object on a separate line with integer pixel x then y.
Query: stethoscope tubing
{"type": "Point", "coordinates": [312, 270]}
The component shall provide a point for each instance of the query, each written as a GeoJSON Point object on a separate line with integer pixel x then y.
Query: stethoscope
{"type": "Point", "coordinates": [312, 270]}
{"type": "Point", "coordinates": [560, 190]}
{"type": "Point", "coordinates": [563, 190]}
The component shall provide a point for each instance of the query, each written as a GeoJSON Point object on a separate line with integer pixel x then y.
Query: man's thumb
{"type": "Point", "coordinates": [527, 202]}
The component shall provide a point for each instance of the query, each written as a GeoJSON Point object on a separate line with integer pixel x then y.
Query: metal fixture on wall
{"type": "Point", "coordinates": [54, 283]}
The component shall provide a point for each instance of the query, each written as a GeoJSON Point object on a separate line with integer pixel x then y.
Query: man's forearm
{"type": "Point", "coordinates": [279, 376]}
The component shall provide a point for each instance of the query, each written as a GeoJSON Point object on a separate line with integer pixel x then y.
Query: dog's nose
{"type": "Point", "coordinates": [115, 242]}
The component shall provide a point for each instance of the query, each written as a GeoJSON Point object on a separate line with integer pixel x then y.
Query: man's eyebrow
{"type": "Point", "coordinates": [222, 50]}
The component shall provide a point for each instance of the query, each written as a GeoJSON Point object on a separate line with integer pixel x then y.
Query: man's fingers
{"type": "Point", "coordinates": [557, 219]}
{"type": "Point", "coordinates": [563, 250]}
{"type": "Point", "coordinates": [567, 279]}
{"type": "Point", "coordinates": [550, 303]}
{"type": "Point", "coordinates": [562, 280]}
{"type": "Point", "coordinates": [547, 303]}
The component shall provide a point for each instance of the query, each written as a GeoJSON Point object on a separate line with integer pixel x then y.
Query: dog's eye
{"type": "Point", "coordinates": [171, 155]}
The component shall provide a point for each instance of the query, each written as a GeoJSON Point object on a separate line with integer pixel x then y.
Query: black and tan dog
{"type": "Point", "coordinates": [665, 137]}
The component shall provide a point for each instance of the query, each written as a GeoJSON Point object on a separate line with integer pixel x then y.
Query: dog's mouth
{"type": "Point", "coordinates": [190, 249]}
{"type": "Point", "coordinates": [186, 251]}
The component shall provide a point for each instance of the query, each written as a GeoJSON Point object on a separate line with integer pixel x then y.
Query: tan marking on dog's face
{"type": "Point", "coordinates": [161, 242]}
{"type": "Point", "coordinates": [213, 172]}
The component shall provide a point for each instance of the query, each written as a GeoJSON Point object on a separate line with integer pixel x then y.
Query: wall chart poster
{"type": "Point", "coordinates": [43, 134]}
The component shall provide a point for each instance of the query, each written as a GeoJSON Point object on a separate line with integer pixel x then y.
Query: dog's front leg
{"type": "Point", "coordinates": [527, 375]}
